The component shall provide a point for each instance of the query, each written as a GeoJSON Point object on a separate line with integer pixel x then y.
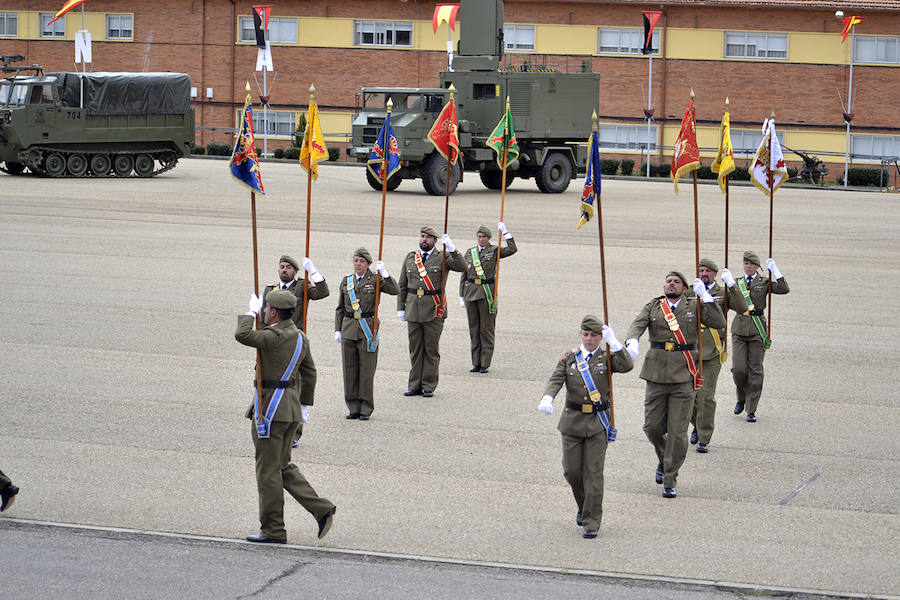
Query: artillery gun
{"type": "Point", "coordinates": [813, 169]}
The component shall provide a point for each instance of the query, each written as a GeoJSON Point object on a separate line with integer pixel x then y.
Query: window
{"type": "Point", "coordinates": [749, 44]}
{"type": "Point", "coordinates": [282, 30]}
{"type": "Point", "coordinates": [54, 30]}
{"type": "Point", "coordinates": [382, 33]}
{"type": "Point", "coordinates": [118, 27]}
{"type": "Point", "coordinates": [9, 24]}
{"type": "Point", "coordinates": [624, 41]}
{"type": "Point", "coordinates": [518, 37]}
{"type": "Point", "coordinates": [746, 141]}
{"type": "Point", "coordinates": [877, 49]}
{"type": "Point", "coordinates": [874, 147]}
{"type": "Point", "coordinates": [281, 123]}
{"type": "Point", "coordinates": [627, 137]}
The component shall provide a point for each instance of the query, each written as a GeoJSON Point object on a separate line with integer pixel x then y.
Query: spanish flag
{"type": "Point", "coordinates": [687, 155]}
{"type": "Point", "coordinates": [724, 163]}
{"type": "Point", "coordinates": [849, 22]}
{"type": "Point", "coordinates": [444, 13]}
{"type": "Point", "coordinates": [69, 6]}
{"type": "Point", "coordinates": [313, 150]}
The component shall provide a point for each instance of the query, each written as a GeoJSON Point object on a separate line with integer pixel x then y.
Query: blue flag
{"type": "Point", "coordinates": [244, 162]}
{"type": "Point", "coordinates": [386, 140]}
{"type": "Point", "coordinates": [591, 182]}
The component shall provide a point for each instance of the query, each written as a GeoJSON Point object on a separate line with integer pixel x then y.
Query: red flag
{"type": "Point", "coordinates": [687, 154]}
{"type": "Point", "coordinates": [849, 22]}
{"type": "Point", "coordinates": [444, 133]}
{"type": "Point", "coordinates": [444, 12]}
{"type": "Point", "coordinates": [650, 19]}
{"type": "Point", "coordinates": [261, 16]}
{"type": "Point", "coordinates": [69, 5]}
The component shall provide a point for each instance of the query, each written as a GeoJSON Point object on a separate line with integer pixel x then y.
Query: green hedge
{"type": "Point", "coordinates": [609, 166]}
{"type": "Point", "coordinates": [861, 176]}
{"type": "Point", "coordinates": [292, 153]}
{"type": "Point", "coordinates": [334, 154]}
{"type": "Point", "coordinates": [627, 166]}
{"type": "Point", "coordinates": [216, 149]}
{"type": "Point", "coordinates": [657, 169]}
{"type": "Point", "coordinates": [278, 153]}
{"type": "Point", "coordinates": [195, 149]}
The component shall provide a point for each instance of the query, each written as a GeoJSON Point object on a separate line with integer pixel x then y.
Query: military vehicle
{"type": "Point", "coordinates": [93, 124]}
{"type": "Point", "coordinates": [551, 113]}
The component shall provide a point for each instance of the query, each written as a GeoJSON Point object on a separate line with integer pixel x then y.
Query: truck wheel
{"type": "Point", "coordinates": [556, 172]}
{"type": "Point", "coordinates": [122, 165]}
{"type": "Point", "coordinates": [77, 164]}
{"type": "Point", "coordinates": [493, 180]}
{"type": "Point", "coordinates": [14, 168]}
{"type": "Point", "coordinates": [393, 181]}
{"type": "Point", "coordinates": [100, 165]}
{"type": "Point", "coordinates": [55, 165]}
{"type": "Point", "coordinates": [434, 175]}
{"type": "Point", "coordinates": [143, 165]}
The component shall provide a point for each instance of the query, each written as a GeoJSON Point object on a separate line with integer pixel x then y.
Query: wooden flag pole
{"type": "Point", "coordinates": [256, 291]}
{"type": "Point", "coordinates": [384, 179]}
{"type": "Point", "coordinates": [725, 337]}
{"type": "Point", "coordinates": [770, 177]}
{"type": "Point", "coordinates": [308, 142]}
{"type": "Point", "coordinates": [446, 218]}
{"type": "Point", "coordinates": [697, 270]}
{"type": "Point", "coordinates": [502, 204]}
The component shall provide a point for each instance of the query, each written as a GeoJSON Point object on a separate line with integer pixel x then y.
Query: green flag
{"type": "Point", "coordinates": [502, 137]}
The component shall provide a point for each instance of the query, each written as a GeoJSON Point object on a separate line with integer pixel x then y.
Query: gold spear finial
{"type": "Point", "coordinates": [772, 116]}
{"type": "Point", "coordinates": [390, 104]}
{"type": "Point", "coordinates": [692, 93]}
{"type": "Point", "coordinates": [312, 91]}
{"type": "Point", "coordinates": [726, 103]}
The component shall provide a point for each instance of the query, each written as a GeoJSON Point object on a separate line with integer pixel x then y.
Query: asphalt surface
{"type": "Point", "coordinates": [125, 389]}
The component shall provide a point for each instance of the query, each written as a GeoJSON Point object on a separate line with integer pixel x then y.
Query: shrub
{"type": "Point", "coordinates": [279, 153]}
{"type": "Point", "coordinates": [334, 154]}
{"type": "Point", "coordinates": [195, 149]}
{"type": "Point", "coordinates": [660, 170]}
{"type": "Point", "coordinates": [627, 166]}
{"type": "Point", "coordinates": [216, 149]}
{"type": "Point", "coordinates": [609, 166]}
{"type": "Point", "coordinates": [292, 153]}
{"type": "Point", "coordinates": [300, 130]}
{"type": "Point", "coordinates": [705, 172]}
{"type": "Point", "coordinates": [741, 174]}
{"type": "Point", "coordinates": [861, 176]}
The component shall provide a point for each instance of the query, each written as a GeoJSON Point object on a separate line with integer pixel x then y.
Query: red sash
{"type": "Point", "coordinates": [438, 307]}
{"type": "Point", "coordinates": [679, 336]}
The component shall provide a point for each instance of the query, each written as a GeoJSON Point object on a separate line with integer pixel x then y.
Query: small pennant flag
{"type": "Point", "coordinates": [591, 182]}
{"type": "Point", "coordinates": [313, 150]}
{"type": "Point", "coordinates": [66, 8]}
{"type": "Point", "coordinates": [502, 137]}
{"type": "Point", "coordinates": [768, 160]}
{"type": "Point", "coordinates": [650, 19]}
{"type": "Point", "coordinates": [724, 163]}
{"type": "Point", "coordinates": [244, 163]}
{"type": "Point", "coordinates": [261, 16]}
{"type": "Point", "coordinates": [849, 22]}
{"type": "Point", "coordinates": [687, 154]}
{"type": "Point", "coordinates": [444, 134]}
{"type": "Point", "coordinates": [385, 143]}
{"type": "Point", "coordinates": [444, 13]}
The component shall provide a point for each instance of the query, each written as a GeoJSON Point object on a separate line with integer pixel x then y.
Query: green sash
{"type": "Point", "coordinates": [479, 270]}
{"type": "Point", "coordinates": [767, 343]}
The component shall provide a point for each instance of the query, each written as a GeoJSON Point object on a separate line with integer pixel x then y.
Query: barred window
{"type": "Point", "coordinates": [118, 27]}
{"type": "Point", "coordinates": [874, 147]}
{"type": "Point", "coordinates": [518, 37]}
{"type": "Point", "coordinates": [9, 24]}
{"type": "Point", "coordinates": [746, 141]}
{"type": "Point", "coordinates": [382, 33]}
{"type": "Point", "coordinates": [52, 30]}
{"type": "Point", "coordinates": [872, 49]}
{"type": "Point", "coordinates": [280, 123]}
{"type": "Point", "coordinates": [627, 138]}
{"type": "Point", "coordinates": [615, 40]}
{"type": "Point", "coordinates": [750, 44]}
{"type": "Point", "coordinates": [282, 30]}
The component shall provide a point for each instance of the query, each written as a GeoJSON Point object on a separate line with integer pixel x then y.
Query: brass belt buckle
{"type": "Point", "coordinates": [670, 346]}
{"type": "Point", "coordinates": [477, 281]}
{"type": "Point", "coordinates": [587, 408]}
{"type": "Point", "coordinates": [357, 315]}
{"type": "Point", "coordinates": [420, 292]}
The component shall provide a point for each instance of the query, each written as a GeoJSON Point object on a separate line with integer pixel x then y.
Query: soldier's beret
{"type": "Point", "coordinates": [428, 229]}
{"type": "Point", "coordinates": [363, 253]}
{"type": "Point", "coordinates": [484, 229]}
{"type": "Point", "coordinates": [752, 257]}
{"type": "Point", "coordinates": [282, 299]}
{"type": "Point", "coordinates": [592, 323]}
{"type": "Point", "coordinates": [709, 264]}
{"type": "Point", "coordinates": [289, 260]}
{"type": "Point", "coordinates": [679, 275]}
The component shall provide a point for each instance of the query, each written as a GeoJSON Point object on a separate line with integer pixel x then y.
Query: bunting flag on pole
{"type": "Point", "coordinates": [313, 150]}
{"type": "Point", "coordinates": [687, 155]}
{"type": "Point", "coordinates": [69, 5]}
{"type": "Point", "coordinates": [261, 16]}
{"type": "Point", "coordinates": [592, 180]}
{"type": "Point", "coordinates": [765, 161]}
{"type": "Point", "coordinates": [650, 19]}
{"type": "Point", "coordinates": [724, 163]}
{"type": "Point", "coordinates": [385, 142]}
{"type": "Point", "coordinates": [849, 22]}
{"type": "Point", "coordinates": [504, 136]}
{"type": "Point", "coordinates": [444, 13]}
{"type": "Point", "coordinates": [444, 134]}
{"type": "Point", "coordinates": [244, 162]}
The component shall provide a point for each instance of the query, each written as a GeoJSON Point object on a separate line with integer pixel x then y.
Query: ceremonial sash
{"type": "Point", "coordinates": [438, 306]}
{"type": "Point", "coordinates": [263, 427]}
{"type": "Point", "coordinates": [756, 320]}
{"type": "Point", "coordinates": [585, 370]}
{"type": "Point", "coordinates": [679, 335]}
{"type": "Point", "coordinates": [371, 344]}
{"type": "Point", "coordinates": [479, 270]}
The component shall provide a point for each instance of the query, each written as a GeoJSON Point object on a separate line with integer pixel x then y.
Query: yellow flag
{"type": "Point", "coordinates": [313, 150]}
{"type": "Point", "coordinates": [724, 163]}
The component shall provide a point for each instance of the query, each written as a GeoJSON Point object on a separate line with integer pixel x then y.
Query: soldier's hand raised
{"type": "Point", "coordinates": [727, 277]}
{"type": "Point", "coordinates": [701, 291]}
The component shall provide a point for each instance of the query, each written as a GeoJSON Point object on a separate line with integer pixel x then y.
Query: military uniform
{"type": "Point", "coordinates": [359, 364]}
{"type": "Point", "coordinates": [471, 289]}
{"type": "Point", "coordinates": [274, 470]}
{"type": "Point", "coordinates": [669, 397]}
{"type": "Point", "coordinates": [8, 492]}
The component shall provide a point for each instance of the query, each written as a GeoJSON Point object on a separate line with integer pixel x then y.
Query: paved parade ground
{"type": "Point", "coordinates": [124, 391]}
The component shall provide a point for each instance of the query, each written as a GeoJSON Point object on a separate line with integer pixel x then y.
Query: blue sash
{"type": "Point", "coordinates": [371, 345]}
{"type": "Point", "coordinates": [585, 370]}
{"type": "Point", "coordinates": [263, 427]}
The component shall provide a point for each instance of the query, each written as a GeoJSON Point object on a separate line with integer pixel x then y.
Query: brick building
{"type": "Point", "coordinates": [784, 55]}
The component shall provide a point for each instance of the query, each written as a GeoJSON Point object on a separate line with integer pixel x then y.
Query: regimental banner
{"type": "Point", "coordinates": [385, 143]}
{"type": "Point", "coordinates": [769, 159]}
{"type": "Point", "coordinates": [502, 137]}
{"type": "Point", "coordinates": [444, 134]}
{"type": "Point", "coordinates": [313, 150]}
{"type": "Point", "coordinates": [591, 189]}
{"type": "Point", "coordinates": [687, 155]}
{"type": "Point", "coordinates": [244, 163]}
{"type": "Point", "coordinates": [724, 162]}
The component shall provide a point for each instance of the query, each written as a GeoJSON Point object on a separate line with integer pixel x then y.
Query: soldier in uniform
{"type": "Point", "coordinates": [288, 382]}
{"type": "Point", "coordinates": [749, 339]}
{"type": "Point", "coordinates": [670, 369]}
{"type": "Point", "coordinates": [584, 422]}
{"type": "Point", "coordinates": [476, 293]}
{"type": "Point", "coordinates": [419, 304]}
{"type": "Point", "coordinates": [354, 329]}
{"type": "Point", "coordinates": [704, 416]}
{"type": "Point", "coordinates": [8, 492]}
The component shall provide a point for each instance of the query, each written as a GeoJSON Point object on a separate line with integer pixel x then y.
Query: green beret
{"type": "Point", "coordinates": [709, 264]}
{"type": "Point", "coordinates": [363, 253]}
{"type": "Point", "coordinates": [428, 229]}
{"type": "Point", "coordinates": [679, 275]}
{"type": "Point", "coordinates": [484, 229]}
{"type": "Point", "coordinates": [291, 261]}
{"type": "Point", "coordinates": [592, 323]}
{"type": "Point", "coordinates": [752, 257]}
{"type": "Point", "coordinates": [282, 299]}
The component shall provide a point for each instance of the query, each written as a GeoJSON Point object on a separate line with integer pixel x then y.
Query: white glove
{"type": "Point", "coordinates": [727, 277]}
{"type": "Point", "coordinates": [445, 240]}
{"type": "Point", "coordinates": [382, 270]}
{"type": "Point", "coordinates": [501, 226]}
{"type": "Point", "coordinates": [310, 268]}
{"type": "Point", "coordinates": [546, 405]}
{"type": "Point", "coordinates": [701, 291]}
{"type": "Point", "coordinates": [462, 302]}
{"type": "Point", "coordinates": [632, 346]}
{"type": "Point", "coordinates": [337, 336]}
{"type": "Point", "coordinates": [304, 414]}
{"type": "Point", "coordinates": [254, 306]}
{"type": "Point", "coordinates": [609, 336]}
{"type": "Point", "coordinates": [401, 314]}
{"type": "Point", "coordinates": [770, 265]}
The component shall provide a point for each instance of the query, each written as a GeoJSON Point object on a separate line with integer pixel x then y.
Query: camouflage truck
{"type": "Point", "coordinates": [551, 113]}
{"type": "Point", "coordinates": [93, 124]}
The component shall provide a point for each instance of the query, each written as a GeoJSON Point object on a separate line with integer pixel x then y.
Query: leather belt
{"type": "Point", "coordinates": [672, 346]}
{"type": "Point", "coordinates": [478, 281]}
{"type": "Point", "coordinates": [423, 292]}
{"type": "Point", "coordinates": [270, 384]}
{"type": "Point", "coordinates": [586, 408]}
{"type": "Point", "coordinates": [352, 315]}
{"type": "Point", "coordinates": [756, 313]}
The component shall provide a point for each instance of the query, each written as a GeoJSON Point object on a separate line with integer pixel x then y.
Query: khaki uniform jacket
{"type": "Point", "coordinates": [276, 345]}
{"type": "Point", "coordinates": [574, 422]}
{"type": "Point", "coordinates": [317, 291]}
{"type": "Point", "coordinates": [759, 290]}
{"type": "Point", "coordinates": [420, 309]}
{"type": "Point", "coordinates": [365, 293]}
{"type": "Point", "coordinates": [736, 303]}
{"type": "Point", "coordinates": [488, 258]}
{"type": "Point", "coordinates": [661, 366]}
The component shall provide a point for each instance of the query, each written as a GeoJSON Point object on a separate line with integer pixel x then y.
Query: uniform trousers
{"type": "Point", "coordinates": [481, 331]}
{"type": "Point", "coordinates": [747, 354]}
{"type": "Point", "coordinates": [359, 375]}
{"type": "Point", "coordinates": [667, 411]}
{"type": "Point", "coordinates": [424, 354]}
{"type": "Point", "coordinates": [704, 415]}
{"type": "Point", "coordinates": [275, 473]}
{"type": "Point", "coordinates": [583, 460]}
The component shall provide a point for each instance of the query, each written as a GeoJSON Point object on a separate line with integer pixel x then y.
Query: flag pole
{"type": "Point", "coordinates": [309, 177]}
{"type": "Point", "coordinates": [446, 218]}
{"type": "Point", "coordinates": [770, 177]}
{"type": "Point", "coordinates": [256, 292]}
{"type": "Point", "coordinates": [697, 270]}
{"type": "Point", "coordinates": [725, 338]}
{"type": "Point", "coordinates": [502, 204]}
{"type": "Point", "coordinates": [384, 178]}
